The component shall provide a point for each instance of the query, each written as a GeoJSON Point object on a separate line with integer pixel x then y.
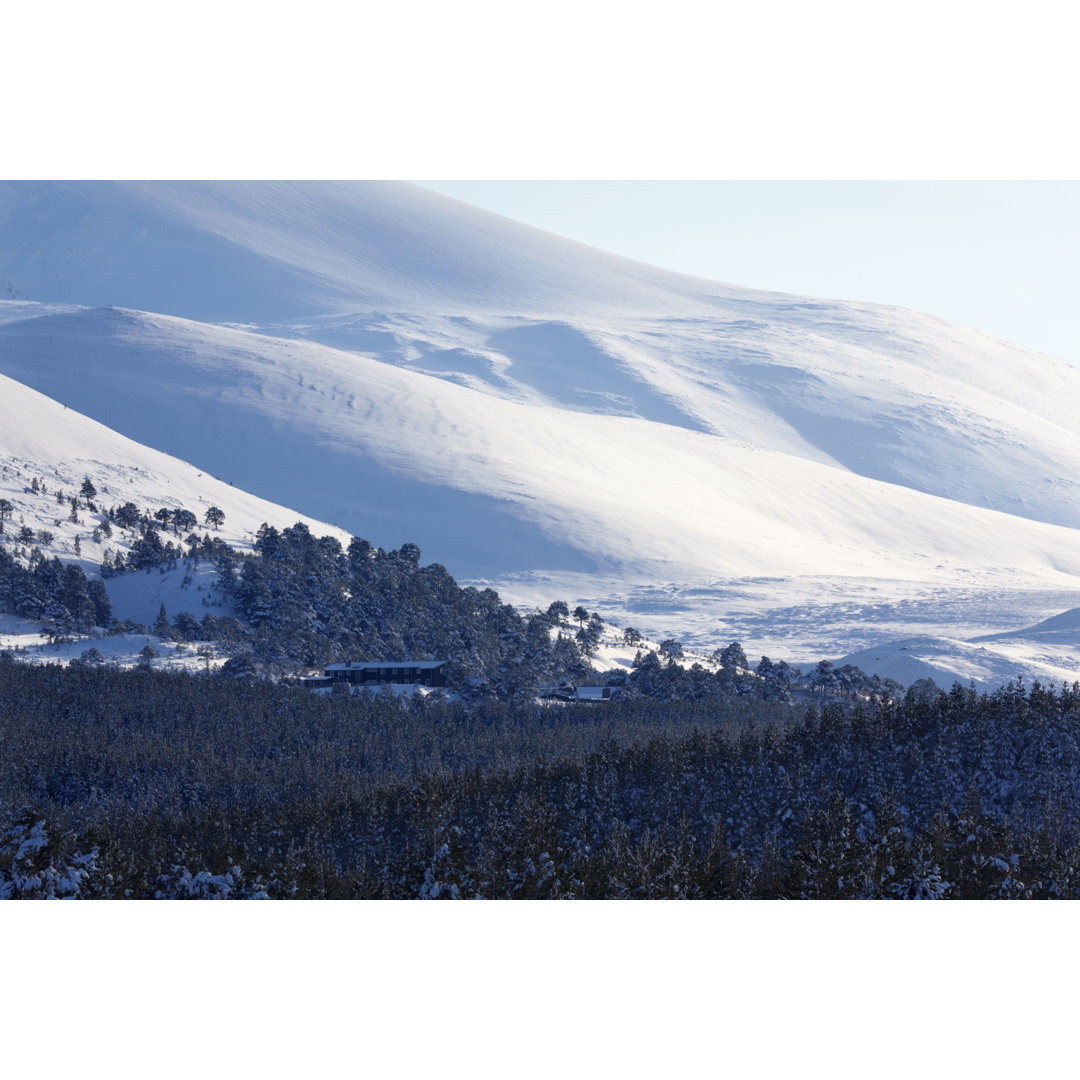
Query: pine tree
{"type": "Point", "coordinates": [558, 612]}
{"type": "Point", "coordinates": [671, 650]}
{"type": "Point", "coordinates": [733, 658]}
{"type": "Point", "coordinates": [161, 624]}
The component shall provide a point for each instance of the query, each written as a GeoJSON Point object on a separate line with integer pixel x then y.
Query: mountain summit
{"type": "Point", "coordinates": [273, 250]}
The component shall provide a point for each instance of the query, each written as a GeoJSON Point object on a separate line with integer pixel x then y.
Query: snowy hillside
{"type": "Point", "coordinates": [552, 419]}
{"type": "Point", "coordinates": [43, 438]}
{"type": "Point", "coordinates": [948, 660]}
{"type": "Point", "coordinates": [414, 279]}
{"type": "Point", "coordinates": [492, 485]}
{"type": "Point", "coordinates": [47, 451]}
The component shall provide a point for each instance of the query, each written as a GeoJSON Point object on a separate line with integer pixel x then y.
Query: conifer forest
{"type": "Point", "coordinates": [141, 785]}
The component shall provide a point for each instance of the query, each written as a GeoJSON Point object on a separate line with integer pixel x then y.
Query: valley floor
{"type": "Point", "coordinates": [984, 631]}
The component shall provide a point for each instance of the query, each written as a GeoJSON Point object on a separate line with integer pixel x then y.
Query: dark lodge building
{"type": "Point", "coordinates": [381, 672]}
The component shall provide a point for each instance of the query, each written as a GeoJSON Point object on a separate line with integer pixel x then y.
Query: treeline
{"type": "Point", "coordinates": [142, 784]}
{"type": "Point", "coordinates": [150, 546]}
{"type": "Point", "coordinates": [650, 676]}
{"type": "Point", "coordinates": [309, 602]}
{"type": "Point", "coordinates": [58, 594]}
{"type": "Point", "coordinates": [305, 602]}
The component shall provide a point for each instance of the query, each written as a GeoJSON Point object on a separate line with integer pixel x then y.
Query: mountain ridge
{"type": "Point", "coordinates": [341, 246]}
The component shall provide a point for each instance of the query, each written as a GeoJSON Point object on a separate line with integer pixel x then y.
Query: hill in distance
{"type": "Point", "coordinates": [552, 419]}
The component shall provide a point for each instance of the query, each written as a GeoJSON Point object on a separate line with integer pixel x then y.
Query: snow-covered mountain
{"type": "Point", "coordinates": [549, 417]}
{"type": "Point", "coordinates": [46, 453]}
{"type": "Point", "coordinates": [271, 251]}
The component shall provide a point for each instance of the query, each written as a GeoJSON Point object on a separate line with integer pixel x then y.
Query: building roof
{"type": "Point", "coordinates": [593, 693]}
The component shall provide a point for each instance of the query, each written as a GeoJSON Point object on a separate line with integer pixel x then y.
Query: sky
{"type": "Point", "coordinates": [1002, 256]}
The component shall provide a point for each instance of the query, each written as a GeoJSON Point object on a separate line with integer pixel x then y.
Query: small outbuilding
{"type": "Point", "coordinates": [569, 692]}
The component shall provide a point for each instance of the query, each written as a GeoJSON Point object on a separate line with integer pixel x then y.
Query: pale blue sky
{"type": "Point", "coordinates": [1003, 256]}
